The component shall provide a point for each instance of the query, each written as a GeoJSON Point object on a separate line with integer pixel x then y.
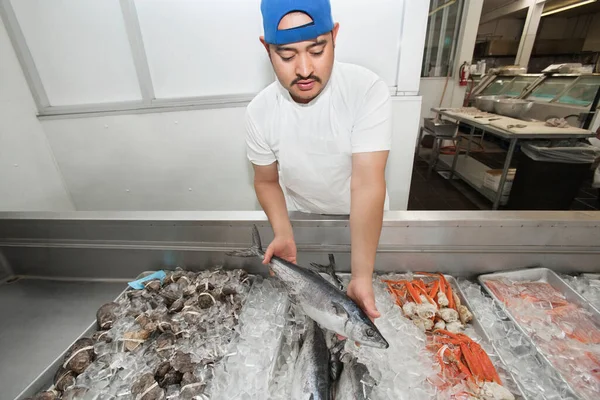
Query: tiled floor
{"type": "Point", "coordinates": [438, 193]}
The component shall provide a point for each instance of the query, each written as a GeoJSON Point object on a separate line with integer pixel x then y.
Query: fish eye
{"type": "Point", "coordinates": [370, 332]}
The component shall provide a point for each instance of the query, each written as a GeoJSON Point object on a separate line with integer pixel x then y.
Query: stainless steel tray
{"type": "Point", "coordinates": [477, 327]}
{"type": "Point", "coordinates": [547, 276]}
{"type": "Point", "coordinates": [550, 277]}
{"type": "Point", "coordinates": [42, 316]}
{"type": "Point", "coordinates": [589, 277]}
{"type": "Point", "coordinates": [483, 333]}
{"type": "Point", "coordinates": [45, 380]}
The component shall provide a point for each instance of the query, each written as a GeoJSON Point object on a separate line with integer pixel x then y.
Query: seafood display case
{"type": "Point", "coordinates": [510, 86]}
{"type": "Point", "coordinates": [561, 324]}
{"type": "Point", "coordinates": [564, 96]}
{"type": "Point", "coordinates": [560, 91]}
{"type": "Point", "coordinates": [509, 81]}
{"type": "Point", "coordinates": [57, 270]}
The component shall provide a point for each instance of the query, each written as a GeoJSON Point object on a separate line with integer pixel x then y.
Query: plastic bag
{"type": "Point", "coordinates": [561, 152]}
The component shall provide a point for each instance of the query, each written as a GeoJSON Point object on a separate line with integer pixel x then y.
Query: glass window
{"type": "Point", "coordinates": [518, 86]}
{"type": "Point", "coordinates": [582, 93]}
{"type": "Point", "coordinates": [498, 85]}
{"type": "Point", "coordinates": [550, 88]}
{"type": "Point", "coordinates": [443, 27]}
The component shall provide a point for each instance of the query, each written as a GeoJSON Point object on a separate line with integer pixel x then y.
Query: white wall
{"type": "Point", "coordinates": [465, 46]}
{"type": "Point", "coordinates": [29, 178]}
{"type": "Point", "coordinates": [400, 164]}
{"type": "Point", "coordinates": [185, 160]}
{"type": "Point", "coordinates": [189, 160]}
{"type": "Point", "coordinates": [431, 90]}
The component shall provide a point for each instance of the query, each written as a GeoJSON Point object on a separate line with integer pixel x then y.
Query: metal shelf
{"type": "Point", "coordinates": [472, 172]}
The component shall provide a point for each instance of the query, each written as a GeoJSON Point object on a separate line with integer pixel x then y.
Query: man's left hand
{"type": "Point", "coordinates": [361, 291]}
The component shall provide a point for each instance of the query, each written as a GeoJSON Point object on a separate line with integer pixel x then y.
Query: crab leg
{"type": "Point", "coordinates": [419, 283]}
{"type": "Point", "coordinates": [473, 362]}
{"type": "Point", "coordinates": [435, 289]}
{"type": "Point", "coordinates": [488, 368]}
{"type": "Point", "coordinates": [462, 367]}
{"type": "Point", "coordinates": [413, 293]}
{"type": "Point", "coordinates": [450, 297]}
{"type": "Point", "coordinates": [424, 293]}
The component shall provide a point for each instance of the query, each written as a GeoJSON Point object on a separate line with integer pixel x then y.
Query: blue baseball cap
{"type": "Point", "coordinates": [273, 12]}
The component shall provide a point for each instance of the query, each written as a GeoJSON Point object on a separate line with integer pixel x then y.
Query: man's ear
{"type": "Point", "coordinates": [265, 44]}
{"type": "Point", "coordinates": [334, 32]}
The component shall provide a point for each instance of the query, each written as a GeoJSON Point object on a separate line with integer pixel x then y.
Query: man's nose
{"type": "Point", "coordinates": [304, 67]}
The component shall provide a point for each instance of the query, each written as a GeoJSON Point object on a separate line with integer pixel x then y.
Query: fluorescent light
{"type": "Point", "coordinates": [565, 8]}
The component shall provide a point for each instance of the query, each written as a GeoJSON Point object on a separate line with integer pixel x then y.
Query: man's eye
{"type": "Point", "coordinates": [286, 59]}
{"type": "Point", "coordinates": [317, 53]}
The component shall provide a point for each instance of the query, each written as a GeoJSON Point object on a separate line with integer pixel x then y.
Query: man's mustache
{"type": "Point", "coordinates": [302, 78]}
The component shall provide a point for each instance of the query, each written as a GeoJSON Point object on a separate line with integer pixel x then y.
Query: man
{"type": "Point", "coordinates": [319, 137]}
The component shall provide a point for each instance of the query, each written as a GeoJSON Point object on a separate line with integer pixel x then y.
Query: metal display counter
{"type": "Point", "coordinates": [56, 269]}
{"type": "Point", "coordinates": [512, 138]}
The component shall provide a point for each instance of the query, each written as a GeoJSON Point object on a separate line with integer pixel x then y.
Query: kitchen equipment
{"type": "Point", "coordinates": [534, 127]}
{"type": "Point", "coordinates": [486, 103]}
{"type": "Point", "coordinates": [515, 108]}
{"type": "Point", "coordinates": [440, 127]}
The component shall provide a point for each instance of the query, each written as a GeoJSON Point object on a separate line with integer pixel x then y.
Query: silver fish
{"type": "Point", "coordinates": [331, 308]}
{"type": "Point", "coordinates": [355, 382]}
{"type": "Point", "coordinates": [311, 380]}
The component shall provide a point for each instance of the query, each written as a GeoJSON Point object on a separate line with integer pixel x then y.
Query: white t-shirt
{"type": "Point", "coordinates": [313, 143]}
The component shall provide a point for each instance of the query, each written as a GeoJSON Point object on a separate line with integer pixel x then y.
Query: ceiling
{"type": "Point", "coordinates": [592, 8]}
{"type": "Point", "coordinates": [491, 5]}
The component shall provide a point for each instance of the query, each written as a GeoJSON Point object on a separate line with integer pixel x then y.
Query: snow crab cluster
{"type": "Point", "coordinates": [430, 302]}
{"type": "Point", "coordinates": [463, 360]}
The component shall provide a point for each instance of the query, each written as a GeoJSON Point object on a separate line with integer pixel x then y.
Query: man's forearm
{"type": "Point", "coordinates": [272, 200]}
{"type": "Point", "coordinates": [366, 218]}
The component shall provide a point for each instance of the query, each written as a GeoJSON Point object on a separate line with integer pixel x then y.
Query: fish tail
{"type": "Point", "coordinates": [256, 238]}
{"type": "Point", "coordinates": [253, 251]}
{"type": "Point", "coordinates": [329, 270]}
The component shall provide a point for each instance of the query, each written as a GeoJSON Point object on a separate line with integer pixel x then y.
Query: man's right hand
{"type": "Point", "coordinates": [282, 247]}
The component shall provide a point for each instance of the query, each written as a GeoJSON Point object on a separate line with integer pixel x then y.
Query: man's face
{"type": "Point", "coordinates": [303, 68]}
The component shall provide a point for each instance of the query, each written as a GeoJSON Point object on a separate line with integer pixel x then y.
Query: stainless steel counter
{"type": "Point", "coordinates": [40, 319]}
{"type": "Point", "coordinates": [461, 243]}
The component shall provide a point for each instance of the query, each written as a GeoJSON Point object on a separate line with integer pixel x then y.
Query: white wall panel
{"type": "Point", "coordinates": [400, 163]}
{"type": "Point", "coordinates": [413, 42]}
{"type": "Point", "coordinates": [370, 34]}
{"type": "Point", "coordinates": [211, 47]}
{"type": "Point", "coordinates": [151, 161]}
{"type": "Point", "coordinates": [191, 160]}
{"type": "Point", "coordinates": [431, 91]}
{"type": "Point", "coordinates": [80, 49]}
{"type": "Point", "coordinates": [29, 178]}
{"type": "Point", "coordinates": [204, 47]}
